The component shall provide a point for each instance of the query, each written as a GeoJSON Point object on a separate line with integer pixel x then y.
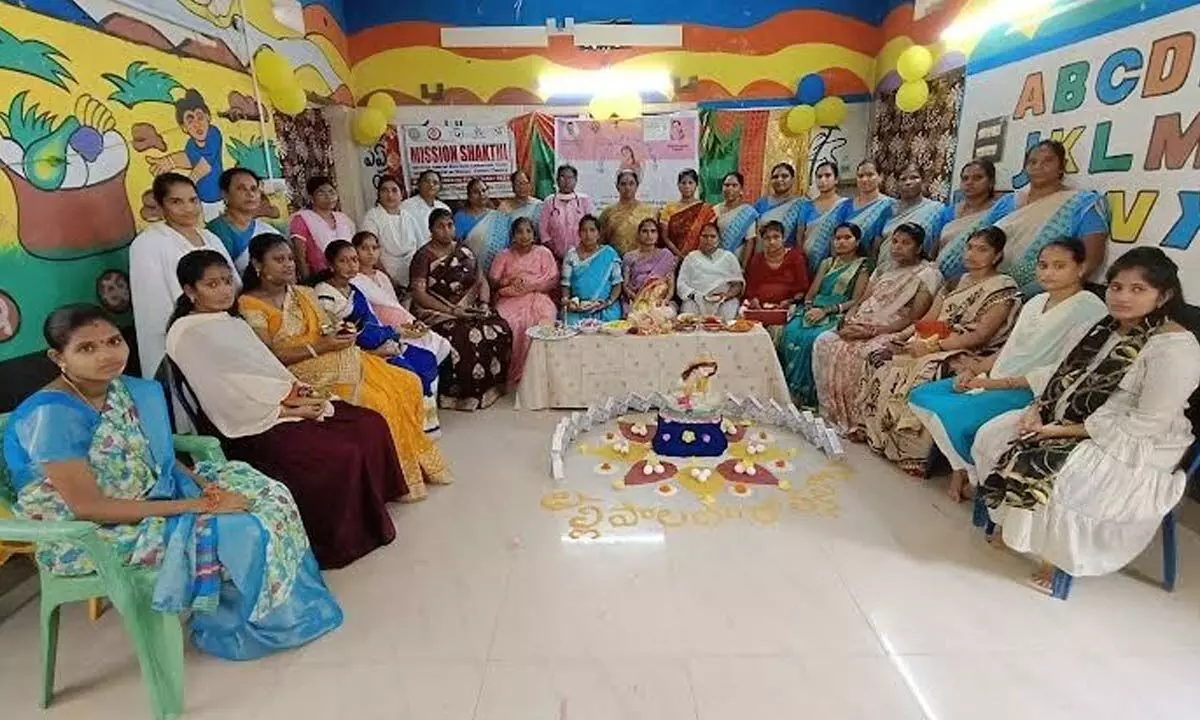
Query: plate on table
{"type": "Point", "coordinates": [741, 325]}
{"type": "Point", "coordinates": [616, 327]}
{"type": "Point", "coordinates": [591, 326]}
{"type": "Point", "coordinates": [551, 332]}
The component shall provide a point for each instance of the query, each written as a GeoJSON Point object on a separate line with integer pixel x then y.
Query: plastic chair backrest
{"type": "Point", "coordinates": [7, 496]}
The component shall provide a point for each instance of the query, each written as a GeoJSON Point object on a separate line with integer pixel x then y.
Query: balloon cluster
{"type": "Point", "coordinates": [371, 122]}
{"type": "Point", "coordinates": [814, 108]}
{"type": "Point", "coordinates": [277, 79]}
{"type": "Point", "coordinates": [625, 107]}
{"type": "Point", "coordinates": [913, 65]}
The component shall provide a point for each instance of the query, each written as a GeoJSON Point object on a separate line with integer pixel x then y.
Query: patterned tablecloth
{"type": "Point", "coordinates": [578, 371]}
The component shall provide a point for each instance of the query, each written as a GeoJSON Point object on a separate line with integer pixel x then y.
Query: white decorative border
{"type": "Point", "coordinates": [811, 428]}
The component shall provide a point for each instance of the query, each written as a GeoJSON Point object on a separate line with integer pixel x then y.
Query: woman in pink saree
{"type": "Point", "coordinates": [523, 273]}
{"type": "Point", "coordinates": [896, 297]}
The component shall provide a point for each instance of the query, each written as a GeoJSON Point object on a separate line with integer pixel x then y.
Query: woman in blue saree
{"type": "Point", "coordinates": [483, 230]}
{"type": "Point", "coordinates": [345, 303]}
{"type": "Point", "coordinates": [869, 209]}
{"type": "Point", "coordinates": [827, 211]}
{"type": "Point", "coordinates": [591, 277]}
{"type": "Point", "coordinates": [911, 206]}
{"type": "Point", "coordinates": [225, 542]}
{"type": "Point", "coordinates": [840, 283]}
{"type": "Point", "coordinates": [793, 211]}
{"type": "Point", "coordinates": [736, 218]}
{"type": "Point", "coordinates": [977, 184]}
{"type": "Point", "coordinates": [1046, 210]}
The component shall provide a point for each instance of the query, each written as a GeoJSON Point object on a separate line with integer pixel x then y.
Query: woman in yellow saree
{"type": "Point", "coordinates": [288, 318]}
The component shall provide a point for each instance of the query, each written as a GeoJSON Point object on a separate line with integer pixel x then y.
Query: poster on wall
{"type": "Point", "coordinates": [459, 151]}
{"type": "Point", "coordinates": [656, 147]}
{"type": "Point", "coordinates": [1126, 105]}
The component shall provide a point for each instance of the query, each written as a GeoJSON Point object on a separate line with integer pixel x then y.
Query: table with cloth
{"type": "Point", "coordinates": [584, 369]}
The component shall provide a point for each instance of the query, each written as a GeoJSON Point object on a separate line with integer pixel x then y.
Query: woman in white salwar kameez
{"type": "Point", "coordinates": [153, 257]}
{"type": "Point", "coordinates": [395, 229]}
{"type": "Point", "coordinates": [710, 279]}
{"type": "Point", "coordinates": [1084, 476]}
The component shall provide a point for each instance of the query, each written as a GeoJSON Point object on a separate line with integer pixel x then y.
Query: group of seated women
{"type": "Point", "coordinates": [1066, 411]}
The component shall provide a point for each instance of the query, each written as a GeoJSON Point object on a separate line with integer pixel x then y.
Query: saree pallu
{"type": "Point", "coordinates": [796, 344]}
{"type": "Point", "coordinates": [870, 218]}
{"type": "Point", "coordinates": [477, 373]}
{"type": "Point", "coordinates": [372, 334]}
{"type": "Point", "coordinates": [521, 312]}
{"type": "Point", "coordinates": [592, 279]}
{"type": "Point", "coordinates": [892, 428]}
{"type": "Point", "coordinates": [486, 235]}
{"type": "Point", "coordinates": [249, 579]}
{"type": "Point", "coordinates": [793, 212]}
{"type": "Point", "coordinates": [839, 365]}
{"type": "Point", "coordinates": [377, 286]}
{"type": "Point", "coordinates": [736, 225]}
{"type": "Point", "coordinates": [927, 214]}
{"type": "Point", "coordinates": [684, 223]}
{"type": "Point", "coordinates": [619, 224]}
{"type": "Point", "coordinates": [818, 233]}
{"type": "Point", "coordinates": [357, 377]}
{"type": "Point", "coordinates": [342, 472]}
{"type": "Point", "coordinates": [953, 238]}
{"type": "Point", "coordinates": [1030, 227]}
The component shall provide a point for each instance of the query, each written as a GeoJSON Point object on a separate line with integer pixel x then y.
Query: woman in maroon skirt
{"type": "Point", "coordinates": [337, 460]}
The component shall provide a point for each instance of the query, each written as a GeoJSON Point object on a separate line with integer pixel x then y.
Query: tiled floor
{"type": "Point", "coordinates": [484, 609]}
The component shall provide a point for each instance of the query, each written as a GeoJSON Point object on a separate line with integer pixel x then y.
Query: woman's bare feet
{"type": "Point", "coordinates": [1042, 579]}
{"type": "Point", "coordinates": [958, 483]}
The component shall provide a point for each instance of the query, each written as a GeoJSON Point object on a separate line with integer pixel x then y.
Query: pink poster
{"type": "Point", "coordinates": [657, 148]}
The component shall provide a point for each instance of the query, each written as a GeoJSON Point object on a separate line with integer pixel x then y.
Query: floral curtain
{"type": "Point", "coordinates": [926, 137]}
{"type": "Point", "coordinates": [305, 149]}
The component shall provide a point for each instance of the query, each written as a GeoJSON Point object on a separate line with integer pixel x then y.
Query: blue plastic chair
{"type": "Point", "coordinates": [1060, 583]}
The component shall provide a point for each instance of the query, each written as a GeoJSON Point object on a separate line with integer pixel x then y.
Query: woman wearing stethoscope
{"type": "Point", "coordinates": [561, 212]}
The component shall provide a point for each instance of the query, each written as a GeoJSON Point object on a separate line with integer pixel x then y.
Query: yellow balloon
{"type": "Point", "coordinates": [914, 63]}
{"type": "Point", "coordinates": [912, 95]}
{"type": "Point", "coordinates": [800, 119]}
{"type": "Point", "coordinates": [628, 107]}
{"type": "Point", "coordinates": [289, 99]}
{"type": "Point", "coordinates": [384, 103]}
{"type": "Point", "coordinates": [368, 125]}
{"type": "Point", "coordinates": [831, 111]}
{"type": "Point", "coordinates": [602, 108]}
{"type": "Point", "coordinates": [272, 70]}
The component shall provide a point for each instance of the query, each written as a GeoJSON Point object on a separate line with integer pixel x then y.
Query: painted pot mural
{"type": "Point", "coordinates": [70, 168]}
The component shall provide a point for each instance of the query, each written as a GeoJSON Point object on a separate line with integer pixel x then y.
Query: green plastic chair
{"type": "Point", "coordinates": [157, 637]}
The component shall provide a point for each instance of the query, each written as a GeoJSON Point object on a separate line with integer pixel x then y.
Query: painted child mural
{"type": "Point", "coordinates": [202, 156]}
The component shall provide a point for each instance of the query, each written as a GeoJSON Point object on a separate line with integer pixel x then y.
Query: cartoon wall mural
{"type": "Point", "coordinates": [96, 98]}
{"type": "Point", "coordinates": [728, 51]}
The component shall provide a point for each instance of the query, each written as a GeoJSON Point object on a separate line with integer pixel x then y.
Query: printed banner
{"type": "Point", "coordinates": [1126, 105]}
{"type": "Point", "coordinates": [656, 147]}
{"type": "Point", "coordinates": [459, 151]}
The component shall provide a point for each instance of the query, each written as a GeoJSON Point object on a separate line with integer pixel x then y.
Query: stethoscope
{"type": "Point", "coordinates": [555, 210]}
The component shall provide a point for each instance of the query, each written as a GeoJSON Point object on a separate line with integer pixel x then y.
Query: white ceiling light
{"type": "Point", "coordinates": [609, 82]}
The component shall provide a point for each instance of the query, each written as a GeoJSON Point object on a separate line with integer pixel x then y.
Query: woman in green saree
{"type": "Point", "coordinates": [840, 282]}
